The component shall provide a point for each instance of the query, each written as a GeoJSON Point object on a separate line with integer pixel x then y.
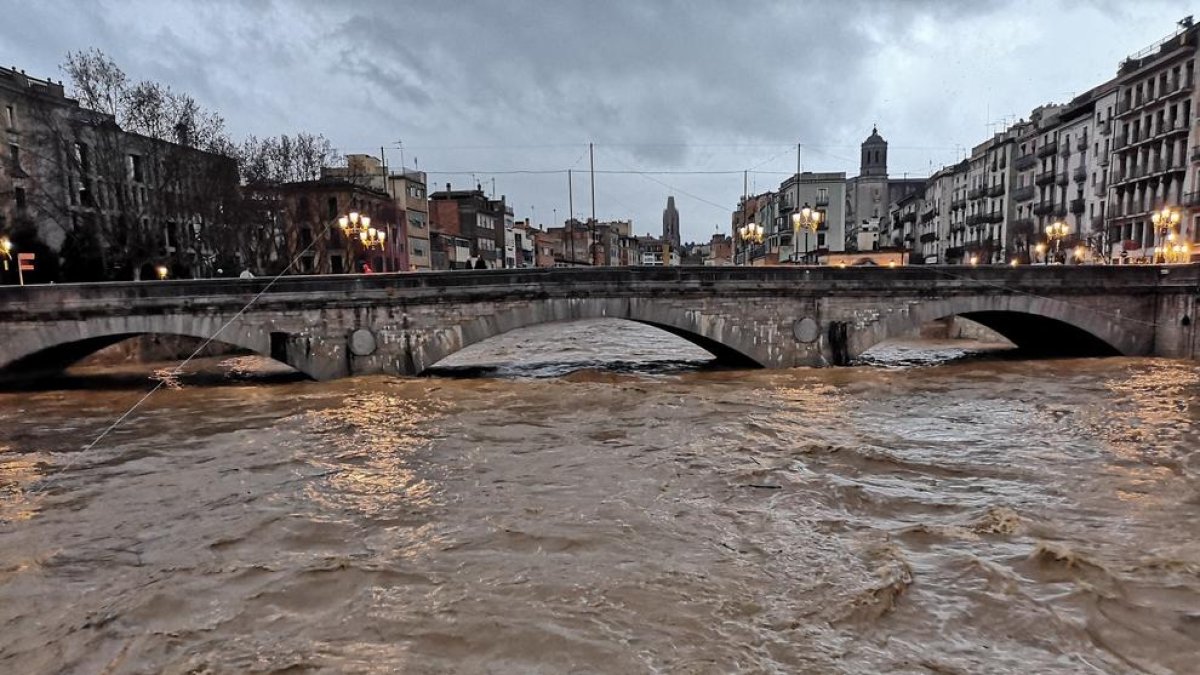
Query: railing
{"type": "Point", "coordinates": [976, 192]}
{"type": "Point", "coordinates": [910, 217]}
{"type": "Point", "coordinates": [1044, 178]}
{"type": "Point", "coordinates": [1120, 141]}
{"type": "Point", "coordinates": [1080, 174]}
{"type": "Point", "coordinates": [1103, 128]}
{"type": "Point", "coordinates": [996, 190]}
{"type": "Point", "coordinates": [1124, 106]}
{"type": "Point", "coordinates": [1082, 143]}
{"type": "Point", "coordinates": [1048, 149]}
{"type": "Point", "coordinates": [1043, 208]}
{"type": "Point", "coordinates": [976, 219]}
{"type": "Point", "coordinates": [1097, 222]}
{"type": "Point", "coordinates": [956, 204]}
{"type": "Point", "coordinates": [1023, 193]}
{"type": "Point", "coordinates": [1022, 226]}
{"type": "Point", "coordinates": [996, 216]}
{"type": "Point", "coordinates": [1061, 177]}
{"type": "Point", "coordinates": [1102, 160]}
{"type": "Point", "coordinates": [1191, 199]}
{"type": "Point", "coordinates": [1077, 206]}
{"type": "Point", "coordinates": [1025, 162]}
{"type": "Point", "coordinates": [1101, 187]}
{"type": "Point", "coordinates": [928, 214]}
{"type": "Point", "coordinates": [821, 201]}
{"type": "Point", "coordinates": [928, 237]}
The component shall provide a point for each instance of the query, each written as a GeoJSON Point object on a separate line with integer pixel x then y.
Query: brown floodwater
{"type": "Point", "coordinates": [606, 501]}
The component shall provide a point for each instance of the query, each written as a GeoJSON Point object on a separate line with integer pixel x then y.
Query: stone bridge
{"type": "Point", "coordinates": [776, 317]}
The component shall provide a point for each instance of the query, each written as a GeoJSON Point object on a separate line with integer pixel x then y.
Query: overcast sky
{"type": "Point", "coordinates": [491, 88]}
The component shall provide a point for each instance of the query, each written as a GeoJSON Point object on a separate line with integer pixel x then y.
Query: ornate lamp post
{"type": "Point", "coordinates": [750, 233]}
{"type": "Point", "coordinates": [1056, 232]}
{"type": "Point", "coordinates": [1041, 251]}
{"type": "Point", "coordinates": [807, 218]}
{"type": "Point", "coordinates": [1165, 220]}
{"type": "Point", "coordinates": [356, 226]}
{"type": "Point", "coordinates": [1175, 250]}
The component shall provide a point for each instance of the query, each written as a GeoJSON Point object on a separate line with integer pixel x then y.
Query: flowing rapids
{"type": "Point", "coordinates": [568, 515]}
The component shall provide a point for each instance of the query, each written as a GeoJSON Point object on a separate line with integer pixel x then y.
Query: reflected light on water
{"type": "Point", "coordinates": [369, 449]}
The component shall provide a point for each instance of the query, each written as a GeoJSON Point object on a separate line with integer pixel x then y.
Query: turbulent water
{"type": "Point", "coordinates": [985, 515]}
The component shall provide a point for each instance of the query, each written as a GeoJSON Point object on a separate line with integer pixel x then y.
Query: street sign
{"type": "Point", "coordinates": [24, 264]}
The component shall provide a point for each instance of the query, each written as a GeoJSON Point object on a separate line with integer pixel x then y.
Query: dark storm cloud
{"type": "Point", "coordinates": [667, 84]}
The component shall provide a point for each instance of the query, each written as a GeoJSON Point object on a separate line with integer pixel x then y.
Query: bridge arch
{"type": "Point", "coordinates": [52, 348]}
{"type": "Point", "coordinates": [714, 332]}
{"type": "Point", "coordinates": [1034, 324]}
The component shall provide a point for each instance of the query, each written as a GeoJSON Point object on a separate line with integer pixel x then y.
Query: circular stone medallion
{"type": "Point", "coordinates": [362, 342]}
{"type": "Point", "coordinates": [806, 330]}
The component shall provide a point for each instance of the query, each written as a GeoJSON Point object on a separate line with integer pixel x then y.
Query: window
{"type": "Point", "coordinates": [14, 153]}
{"type": "Point", "coordinates": [416, 220]}
{"type": "Point", "coordinates": [82, 160]}
{"type": "Point", "coordinates": [11, 116]}
{"type": "Point", "coordinates": [135, 169]}
{"type": "Point", "coordinates": [19, 193]}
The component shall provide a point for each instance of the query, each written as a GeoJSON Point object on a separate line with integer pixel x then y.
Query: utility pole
{"type": "Point", "coordinates": [592, 224]}
{"type": "Point", "coordinates": [570, 229]}
{"type": "Point", "coordinates": [796, 205]}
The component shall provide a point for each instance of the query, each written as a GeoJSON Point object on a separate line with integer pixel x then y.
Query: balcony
{"type": "Point", "coordinates": [928, 214]}
{"type": "Point", "coordinates": [1077, 206]}
{"type": "Point", "coordinates": [1079, 174]}
{"type": "Point", "coordinates": [1048, 149]}
{"type": "Point", "coordinates": [1023, 193]}
{"type": "Point", "coordinates": [1022, 226]}
{"type": "Point", "coordinates": [928, 237]}
{"type": "Point", "coordinates": [1043, 208]}
{"type": "Point", "coordinates": [996, 216]}
{"type": "Point", "coordinates": [976, 219]}
{"type": "Point", "coordinates": [1124, 107]}
{"type": "Point", "coordinates": [1082, 143]}
{"type": "Point", "coordinates": [1024, 162]}
{"type": "Point", "coordinates": [1097, 222]}
{"type": "Point", "coordinates": [956, 204]}
{"type": "Point", "coordinates": [1102, 160]}
{"type": "Point", "coordinates": [1101, 187]}
{"type": "Point", "coordinates": [1044, 178]}
{"type": "Point", "coordinates": [1061, 178]}
{"type": "Point", "coordinates": [909, 217]}
{"type": "Point", "coordinates": [821, 200]}
{"type": "Point", "coordinates": [1196, 153]}
{"type": "Point", "coordinates": [976, 192]}
{"type": "Point", "coordinates": [1191, 199]}
{"type": "Point", "coordinates": [1103, 128]}
{"type": "Point", "coordinates": [1120, 141]}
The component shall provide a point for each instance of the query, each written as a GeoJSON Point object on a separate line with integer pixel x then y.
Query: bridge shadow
{"type": "Point", "coordinates": [138, 361]}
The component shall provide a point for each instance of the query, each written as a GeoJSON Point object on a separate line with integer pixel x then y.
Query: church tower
{"type": "Point", "coordinates": [874, 155]}
{"type": "Point", "coordinates": [671, 223]}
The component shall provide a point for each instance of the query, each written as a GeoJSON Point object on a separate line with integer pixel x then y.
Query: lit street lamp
{"type": "Point", "coordinates": [1056, 232]}
{"type": "Point", "coordinates": [356, 226]}
{"type": "Point", "coordinates": [1041, 251]}
{"type": "Point", "coordinates": [807, 218]}
{"type": "Point", "coordinates": [1165, 220]}
{"type": "Point", "coordinates": [749, 233]}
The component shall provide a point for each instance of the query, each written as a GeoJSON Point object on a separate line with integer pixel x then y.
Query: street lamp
{"type": "Point", "coordinates": [1080, 252]}
{"type": "Point", "coordinates": [750, 233]}
{"type": "Point", "coordinates": [1056, 232]}
{"type": "Point", "coordinates": [1041, 251]}
{"type": "Point", "coordinates": [357, 226]}
{"type": "Point", "coordinates": [807, 218]}
{"type": "Point", "coordinates": [1165, 220]}
{"type": "Point", "coordinates": [161, 271]}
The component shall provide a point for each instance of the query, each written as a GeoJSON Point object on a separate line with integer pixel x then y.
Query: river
{"type": "Point", "coordinates": [552, 514]}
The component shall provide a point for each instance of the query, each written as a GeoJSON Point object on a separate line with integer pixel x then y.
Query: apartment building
{"type": "Point", "coordinates": [1151, 165]}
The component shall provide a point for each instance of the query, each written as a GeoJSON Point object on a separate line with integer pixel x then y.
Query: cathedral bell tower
{"type": "Point", "coordinates": [874, 155]}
